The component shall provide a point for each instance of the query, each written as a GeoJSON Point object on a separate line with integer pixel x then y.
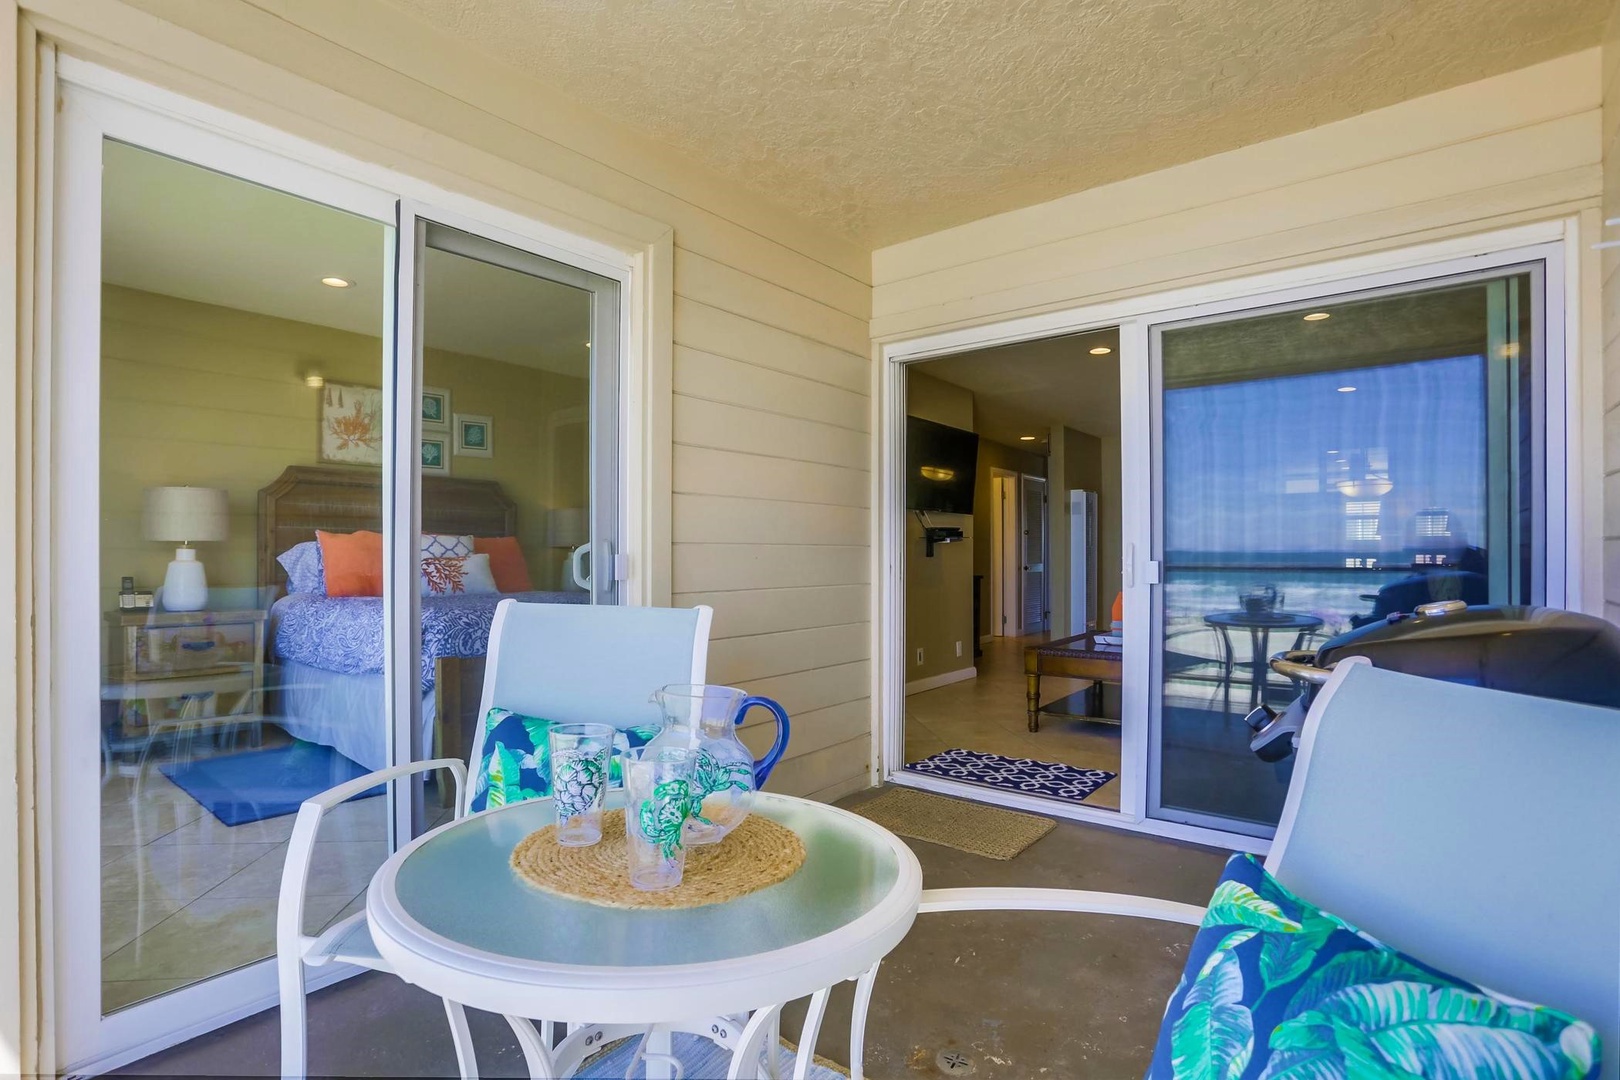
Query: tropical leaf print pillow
{"type": "Point", "coordinates": [516, 761]}
{"type": "Point", "coordinates": [1277, 989]}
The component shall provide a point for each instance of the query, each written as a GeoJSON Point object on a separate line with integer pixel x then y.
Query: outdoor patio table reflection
{"type": "Point", "coordinates": [1259, 625]}
{"type": "Point", "coordinates": [451, 916]}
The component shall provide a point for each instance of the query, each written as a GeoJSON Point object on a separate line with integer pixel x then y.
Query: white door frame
{"type": "Point", "coordinates": [97, 103]}
{"type": "Point", "coordinates": [1578, 565]}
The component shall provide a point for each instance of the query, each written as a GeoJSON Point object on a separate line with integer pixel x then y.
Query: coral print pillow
{"type": "Point", "coordinates": [1277, 989]}
{"type": "Point", "coordinates": [467, 575]}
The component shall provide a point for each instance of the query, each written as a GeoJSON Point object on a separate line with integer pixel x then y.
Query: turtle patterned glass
{"type": "Point", "coordinates": [580, 755]}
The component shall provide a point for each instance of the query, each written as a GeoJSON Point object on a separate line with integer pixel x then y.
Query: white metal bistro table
{"type": "Point", "coordinates": [450, 915]}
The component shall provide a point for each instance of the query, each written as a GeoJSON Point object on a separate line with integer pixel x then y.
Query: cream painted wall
{"type": "Point", "coordinates": [1611, 319]}
{"type": "Point", "coordinates": [214, 397]}
{"type": "Point", "coordinates": [1519, 147]}
{"type": "Point", "coordinates": [939, 590]}
{"type": "Point", "coordinates": [766, 455]}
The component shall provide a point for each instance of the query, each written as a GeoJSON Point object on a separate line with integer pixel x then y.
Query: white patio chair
{"type": "Point", "coordinates": [1476, 830]}
{"type": "Point", "coordinates": [565, 662]}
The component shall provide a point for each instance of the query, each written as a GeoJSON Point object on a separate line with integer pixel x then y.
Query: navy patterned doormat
{"type": "Point", "coordinates": [1025, 775]}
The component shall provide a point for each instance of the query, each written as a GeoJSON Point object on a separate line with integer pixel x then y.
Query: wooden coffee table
{"type": "Point", "coordinates": [1077, 657]}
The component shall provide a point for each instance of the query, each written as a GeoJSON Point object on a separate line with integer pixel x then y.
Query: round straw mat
{"type": "Point", "coordinates": [758, 853]}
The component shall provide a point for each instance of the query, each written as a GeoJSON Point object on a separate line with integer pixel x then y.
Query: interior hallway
{"type": "Point", "coordinates": [987, 714]}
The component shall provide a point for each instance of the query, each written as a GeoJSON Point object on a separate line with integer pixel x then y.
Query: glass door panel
{"type": "Point", "coordinates": [1322, 467]}
{"type": "Point", "coordinates": [518, 360]}
{"type": "Point", "coordinates": [240, 404]}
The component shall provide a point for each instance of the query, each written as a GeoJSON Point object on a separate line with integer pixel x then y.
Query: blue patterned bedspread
{"type": "Point", "coordinates": [345, 633]}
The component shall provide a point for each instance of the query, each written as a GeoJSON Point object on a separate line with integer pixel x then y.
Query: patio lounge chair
{"type": "Point", "coordinates": [1477, 830]}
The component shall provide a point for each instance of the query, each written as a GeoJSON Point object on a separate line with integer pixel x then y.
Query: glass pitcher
{"type": "Point", "coordinates": [725, 776]}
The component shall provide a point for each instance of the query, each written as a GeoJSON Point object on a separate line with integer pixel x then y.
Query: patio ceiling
{"type": "Point", "coordinates": [886, 120]}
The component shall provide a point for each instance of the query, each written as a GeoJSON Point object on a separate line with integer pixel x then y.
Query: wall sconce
{"type": "Point", "coordinates": [314, 380]}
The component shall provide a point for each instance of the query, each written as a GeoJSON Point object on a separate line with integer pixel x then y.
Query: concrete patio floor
{"type": "Point", "coordinates": [1020, 995]}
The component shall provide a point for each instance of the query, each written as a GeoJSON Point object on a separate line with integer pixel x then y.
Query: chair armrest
{"type": "Point", "coordinates": [290, 938]}
{"type": "Point", "coordinates": [348, 790]}
{"type": "Point", "coordinates": [1095, 903]}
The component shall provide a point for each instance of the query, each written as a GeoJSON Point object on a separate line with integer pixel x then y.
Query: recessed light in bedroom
{"type": "Point", "coordinates": [1101, 350]}
{"type": "Point", "coordinates": [1026, 438]}
{"type": "Point", "coordinates": [336, 282]}
{"type": "Point", "coordinates": [1347, 389]}
{"type": "Point", "coordinates": [1318, 316]}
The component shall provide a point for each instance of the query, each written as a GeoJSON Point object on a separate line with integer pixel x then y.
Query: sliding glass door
{"type": "Point", "coordinates": [298, 442]}
{"type": "Point", "coordinates": [515, 415]}
{"type": "Point", "coordinates": [1320, 465]}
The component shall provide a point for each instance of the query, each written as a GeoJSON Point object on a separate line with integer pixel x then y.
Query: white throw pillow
{"type": "Point", "coordinates": [446, 546]}
{"type": "Point", "coordinates": [468, 575]}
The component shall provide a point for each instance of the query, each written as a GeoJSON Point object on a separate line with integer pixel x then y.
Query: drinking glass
{"type": "Point", "coordinates": [580, 755]}
{"type": "Point", "coordinates": [658, 798]}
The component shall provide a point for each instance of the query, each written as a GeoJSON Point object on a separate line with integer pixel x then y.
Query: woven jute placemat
{"type": "Point", "coordinates": [965, 826]}
{"type": "Point", "coordinates": [757, 854]}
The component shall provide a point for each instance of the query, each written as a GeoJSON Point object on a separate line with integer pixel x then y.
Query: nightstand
{"type": "Point", "coordinates": [185, 670]}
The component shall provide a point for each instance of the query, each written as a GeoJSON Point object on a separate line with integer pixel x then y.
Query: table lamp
{"type": "Point", "coordinates": [187, 515]}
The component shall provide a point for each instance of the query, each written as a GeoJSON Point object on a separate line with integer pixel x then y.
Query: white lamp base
{"type": "Point", "coordinates": [185, 586]}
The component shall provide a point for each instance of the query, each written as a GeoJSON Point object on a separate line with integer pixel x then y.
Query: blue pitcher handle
{"type": "Point", "coordinates": [763, 767]}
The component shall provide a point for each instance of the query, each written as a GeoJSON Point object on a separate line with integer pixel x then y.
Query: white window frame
{"type": "Point", "coordinates": [1574, 507]}
{"type": "Point", "coordinates": [99, 103]}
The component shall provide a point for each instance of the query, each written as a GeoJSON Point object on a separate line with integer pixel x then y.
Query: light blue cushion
{"type": "Point", "coordinates": [1277, 988]}
{"type": "Point", "coordinates": [305, 571]}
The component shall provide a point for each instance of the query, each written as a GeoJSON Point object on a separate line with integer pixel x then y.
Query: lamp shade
{"type": "Point", "coordinates": [565, 527]}
{"type": "Point", "coordinates": [186, 514]}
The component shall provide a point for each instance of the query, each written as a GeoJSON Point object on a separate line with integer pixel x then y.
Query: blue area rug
{"type": "Point", "coordinates": [1024, 775]}
{"type": "Point", "coordinates": [700, 1060]}
{"type": "Point", "coordinates": [259, 784]}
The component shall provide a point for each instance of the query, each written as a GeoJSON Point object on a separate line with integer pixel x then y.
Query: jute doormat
{"type": "Point", "coordinates": [758, 853]}
{"type": "Point", "coordinates": [965, 826]}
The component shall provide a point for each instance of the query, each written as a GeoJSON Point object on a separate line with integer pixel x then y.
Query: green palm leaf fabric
{"type": "Point", "coordinates": [1277, 989]}
{"type": "Point", "coordinates": [516, 761]}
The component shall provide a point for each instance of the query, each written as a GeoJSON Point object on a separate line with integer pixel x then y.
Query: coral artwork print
{"type": "Point", "coordinates": [445, 576]}
{"type": "Point", "coordinates": [351, 424]}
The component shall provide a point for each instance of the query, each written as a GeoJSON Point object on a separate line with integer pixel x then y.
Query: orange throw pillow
{"type": "Point", "coordinates": [353, 563]}
{"type": "Point", "coordinates": [506, 562]}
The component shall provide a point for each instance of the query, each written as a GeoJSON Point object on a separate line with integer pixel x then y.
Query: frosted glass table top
{"type": "Point", "coordinates": [458, 886]}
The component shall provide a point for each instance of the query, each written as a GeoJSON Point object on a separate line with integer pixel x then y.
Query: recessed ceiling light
{"type": "Point", "coordinates": [1347, 389]}
{"type": "Point", "coordinates": [335, 282]}
{"type": "Point", "coordinates": [1318, 316]}
{"type": "Point", "coordinates": [1101, 350]}
{"type": "Point", "coordinates": [1026, 438]}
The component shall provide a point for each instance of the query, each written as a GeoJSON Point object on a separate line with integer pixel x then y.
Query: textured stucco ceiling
{"type": "Point", "coordinates": [887, 119]}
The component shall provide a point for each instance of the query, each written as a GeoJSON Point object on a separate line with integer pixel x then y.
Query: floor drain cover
{"type": "Point", "coordinates": [953, 1063]}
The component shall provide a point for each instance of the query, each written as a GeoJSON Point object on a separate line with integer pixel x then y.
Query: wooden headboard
{"type": "Point", "coordinates": [333, 498]}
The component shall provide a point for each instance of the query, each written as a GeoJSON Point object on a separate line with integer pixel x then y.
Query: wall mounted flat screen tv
{"type": "Point", "coordinates": [940, 463]}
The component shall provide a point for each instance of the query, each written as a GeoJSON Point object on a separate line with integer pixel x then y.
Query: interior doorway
{"type": "Point", "coordinates": [1000, 443]}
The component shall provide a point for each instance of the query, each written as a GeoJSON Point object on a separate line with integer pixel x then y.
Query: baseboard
{"type": "Point", "coordinates": [985, 639]}
{"type": "Point", "coordinates": [934, 682]}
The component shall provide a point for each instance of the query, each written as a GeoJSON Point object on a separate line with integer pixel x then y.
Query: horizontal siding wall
{"type": "Point", "coordinates": [1522, 146]}
{"type": "Point", "coordinates": [771, 412]}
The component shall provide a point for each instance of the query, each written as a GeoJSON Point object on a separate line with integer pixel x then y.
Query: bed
{"type": "Point", "coordinates": [327, 652]}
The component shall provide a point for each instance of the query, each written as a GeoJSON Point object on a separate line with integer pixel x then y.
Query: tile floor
{"type": "Point", "coordinates": [987, 714]}
{"type": "Point", "coordinates": [185, 897]}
